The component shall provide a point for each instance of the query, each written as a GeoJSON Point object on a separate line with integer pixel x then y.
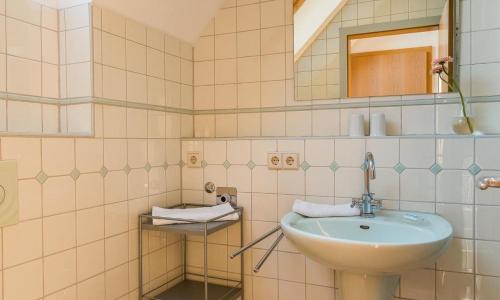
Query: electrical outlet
{"type": "Point", "coordinates": [274, 161]}
{"type": "Point", "coordinates": [290, 161]}
{"type": "Point", "coordinates": [193, 159]}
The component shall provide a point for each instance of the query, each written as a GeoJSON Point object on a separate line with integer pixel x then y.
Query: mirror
{"type": "Point", "coordinates": [371, 48]}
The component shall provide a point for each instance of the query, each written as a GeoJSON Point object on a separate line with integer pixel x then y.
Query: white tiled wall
{"type": "Point", "coordinates": [154, 68]}
{"type": "Point", "coordinates": [24, 25]}
{"type": "Point", "coordinates": [481, 29]}
{"type": "Point", "coordinates": [79, 200]}
{"type": "Point", "coordinates": [146, 67]}
{"type": "Point", "coordinates": [45, 54]}
{"type": "Point", "coordinates": [480, 63]}
{"type": "Point", "coordinates": [257, 59]}
{"type": "Point", "coordinates": [430, 174]}
{"type": "Point", "coordinates": [135, 65]}
{"type": "Point", "coordinates": [75, 52]}
{"type": "Point", "coordinates": [243, 60]}
{"type": "Point", "coordinates": [447, 165]}
{"type": "Point", "coordinates": [42, 53]}
{"type": "Point", "coordinates": [80, 197]}
{"type": "Point", "coordinates": [88, 191]}
{"type": "Point", "coordinates": [402, 118]}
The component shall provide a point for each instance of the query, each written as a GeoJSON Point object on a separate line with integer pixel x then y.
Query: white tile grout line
{"type": "Point", "coordinates": [41, 209]}
{"type": "Point", "coordinates": [103, 160]}
{"type": "Point", "coordinates": [127, 150]}
{"type": "Point", "coordinates": [92, 49]}
{"type": "Point", "coordinates": [474, 225]}
{"type": "Point", "coordinates": [41, 69]}
{"type": "Point", "coordinates": [6, 102]}
{"type": "Point", "coordinates": [65, 64]}
{"type": "Point", "coordinates": [41, 196]}
{"type": "Point", "coordinates": [58, 24]}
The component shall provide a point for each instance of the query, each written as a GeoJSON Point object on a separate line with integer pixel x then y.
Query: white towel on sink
{"type": "Point", "coordinates": [315, 210]}
{"type": "Point", "coordinates": [196, 214]}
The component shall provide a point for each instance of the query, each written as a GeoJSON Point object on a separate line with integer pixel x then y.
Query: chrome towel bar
{"type": "Point", "coordinates": [254, 242]}
{"type": "Point", "coordinates": [258, 240]}
{"type": "Point", "coordinates": [257, 267]}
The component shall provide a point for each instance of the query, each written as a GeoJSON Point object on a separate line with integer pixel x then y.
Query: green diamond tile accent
{"type": "Point", "coordinates": [363, 166]}
{"type": "Point", "coordinates": [41, 177]}
{"type": "Point", "coordinates": [204, 164]}
{"type": "Point", "coordinates": [399, 167]}
{"type": "Point", "coordinates": [333, 166]}
{"type": "Point", "coordinates": [127, 169]}
{"type": "Point", "coordinates": [147, 167]}
{"type": "Point", "coordinates": [474, 169]}
{"type": "Point", "coordinates": [75, 174]}
{"type": "Point", "coordinates": [103, 171]}
{"type": "Point", "coordinates": [251, 165]}
{"type": "Point", "coordinates": [182, 164]}
{"type": "Point", "coordinates": [435, 169]}
{"type": "Point", "coordinates": [305, 165]}
{"type": "Point", "coordinates": [227, 164]}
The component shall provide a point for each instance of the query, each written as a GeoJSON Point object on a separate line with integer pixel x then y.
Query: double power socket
{"type": "Point", "coordinates": [275, 160]}
{"type": "Point", "coordinates": [286, 161]}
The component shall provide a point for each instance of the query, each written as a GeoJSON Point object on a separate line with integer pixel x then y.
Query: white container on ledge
{"type": "Point", "coordinates": [377, 124]}
{"type": "Point", "coordinates": [357, 125]}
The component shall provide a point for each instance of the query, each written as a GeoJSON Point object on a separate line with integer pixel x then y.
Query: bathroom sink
{"type": "Point", "coordinates": [370, 251]}
{"type": "Point", "coordinates": [393, 241]}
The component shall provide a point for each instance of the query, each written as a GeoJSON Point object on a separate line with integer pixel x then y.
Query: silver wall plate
{"type": "Point", "coordinates": [227, 195]}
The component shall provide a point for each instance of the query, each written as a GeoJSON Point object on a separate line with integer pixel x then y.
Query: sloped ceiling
{"type": "Point", "coordinates": [184, 19]}
{"type": "Point", "coordinates": [310, 20]}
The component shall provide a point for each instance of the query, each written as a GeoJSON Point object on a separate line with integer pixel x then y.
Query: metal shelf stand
{"type": "Point", "coordinates": [188, 288]}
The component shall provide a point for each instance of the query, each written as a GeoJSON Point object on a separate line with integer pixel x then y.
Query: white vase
{"type": "Point", "coordinates": [460, 125]}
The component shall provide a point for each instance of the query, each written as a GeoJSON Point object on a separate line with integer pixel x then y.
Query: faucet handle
{"type": "Point", "coordinates": [376, 203]}
{"type": "Point", "coordinates": [357, 202]}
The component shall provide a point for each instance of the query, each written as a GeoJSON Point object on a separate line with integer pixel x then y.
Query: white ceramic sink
{"type": "Point", "coordinates": [370, 251]}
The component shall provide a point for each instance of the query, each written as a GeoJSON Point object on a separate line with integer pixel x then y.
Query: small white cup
{"type": "Point", "coordinates": [377, 124]}
{"type": "Point", "coordinates": [357, 125]}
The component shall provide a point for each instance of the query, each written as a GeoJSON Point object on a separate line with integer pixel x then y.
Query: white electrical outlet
{"type": "Point", "coordinates": [193, 159]}
{"type": "Point", "coordinates": [274, 161]}
{"type": "Point", "coordinates": [290, 161]}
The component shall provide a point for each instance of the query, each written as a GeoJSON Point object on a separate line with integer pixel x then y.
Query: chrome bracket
{"type": "Point", "coordinates": [488, 182]}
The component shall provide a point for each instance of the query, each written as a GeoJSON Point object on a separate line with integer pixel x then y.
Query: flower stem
{"type": "Point", "coordinates": [454, 87]}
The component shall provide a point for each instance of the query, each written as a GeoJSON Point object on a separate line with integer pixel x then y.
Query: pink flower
{"type": "Point", "coordinates": [442, 60]}
{"type": "Point", "coordinates": [438, 69]}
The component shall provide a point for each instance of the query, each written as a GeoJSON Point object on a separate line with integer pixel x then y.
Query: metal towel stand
{"type": "Point", "coordinates": [261, 262]}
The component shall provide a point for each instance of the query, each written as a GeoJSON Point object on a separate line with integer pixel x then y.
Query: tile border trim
{"type": "Point", "coordinates": [397, 101]}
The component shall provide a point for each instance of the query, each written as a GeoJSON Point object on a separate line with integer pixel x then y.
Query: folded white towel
{"type": "Point", "coordinates": [314, 210]}
{"type": "Point", "coordinates": [196, 214]}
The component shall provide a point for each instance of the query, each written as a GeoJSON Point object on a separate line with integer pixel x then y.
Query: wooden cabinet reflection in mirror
{"type": "Point", "coordinates": [378, 66]}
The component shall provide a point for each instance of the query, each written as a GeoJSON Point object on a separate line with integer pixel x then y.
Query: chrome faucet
{"type": "Point", "coordinates": [367, 202]}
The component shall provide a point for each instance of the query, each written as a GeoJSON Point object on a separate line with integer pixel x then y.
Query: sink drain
{"type": "Point", "coordinates": [365, 227]}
